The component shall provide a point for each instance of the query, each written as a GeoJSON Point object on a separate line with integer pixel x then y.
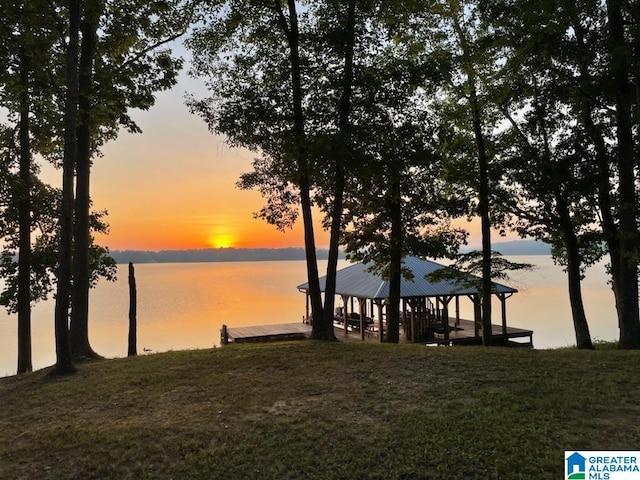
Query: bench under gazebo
{"type": "Point", "coordinates": [430, 310]}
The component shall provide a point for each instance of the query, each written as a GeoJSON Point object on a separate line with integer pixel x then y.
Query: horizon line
{"type": "Point", "coordinates": [293, 247]}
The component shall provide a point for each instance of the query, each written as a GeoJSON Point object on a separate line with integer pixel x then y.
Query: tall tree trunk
{"type": "Point", "coordinates": [332, 263]}
{"type": "Point", "coordinates": [317, 328]}
{"type": "Point", "coordinates": [79, 328]}
{"type": "Point", "coordinates": [574, 259]}
{"type": "Point", "coordinates": [483, 170]}
{"type": "Point", "coordinates": [395, 253]}
{"type": "Point", "coordinates": [290, 28]}
{"type": "Point", "coordinates": [338, 193]}
{"type": "Point", "coordinates": [574, 276]}
{"type": "Point", "coordinates": [627, 298]}
{"type": "Point", "coordinates": [24, 220]}
{"type": "Point", "coordinates": [483, 206]}
{"type": "Point", "coordinates": [603, 174]}
{"type": "Point", "coordinates": [608, 224]}
{"type": "Point", "coordinates": [64, 359]}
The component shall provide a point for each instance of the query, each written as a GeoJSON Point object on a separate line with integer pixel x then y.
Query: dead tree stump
{"type": "Point", "coordinates": [133, 323]}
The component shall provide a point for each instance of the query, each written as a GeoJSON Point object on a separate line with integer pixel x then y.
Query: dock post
{"type": "Point", "coordinates": [133, 309]}
{"type": "Point", "coordinates": [224, 335]}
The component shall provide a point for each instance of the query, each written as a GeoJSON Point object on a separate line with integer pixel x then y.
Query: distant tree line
{"type": "Point", "coordinates": [215, 255]}
{"type": "Point", "coordinates": [397, 117]}
{"type": "Point", "coordinates": [517, 247]}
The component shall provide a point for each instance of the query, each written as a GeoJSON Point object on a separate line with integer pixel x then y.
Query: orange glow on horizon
{"type": "Point", "coordinates": [166, 234]}
{"type": "Point", "coordinates": [181, 194]}
{"type": "Point", "coordinates": [222, 241]}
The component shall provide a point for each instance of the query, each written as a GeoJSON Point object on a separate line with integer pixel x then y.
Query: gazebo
{"type": "Point", "coordinates": [427, 313]}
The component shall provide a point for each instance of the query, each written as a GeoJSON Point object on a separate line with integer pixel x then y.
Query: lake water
{"type": "Point", "coordinates": [183, 305]}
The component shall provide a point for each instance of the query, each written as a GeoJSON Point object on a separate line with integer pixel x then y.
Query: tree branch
{"type": "Point", "coordinates": [141, 53]}
{"type": "Point", "coordinates": [58, 21]}
{"type": "Point", "coordinates": [281, 18]}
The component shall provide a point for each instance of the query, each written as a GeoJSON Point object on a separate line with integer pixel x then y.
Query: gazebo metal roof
{"type": "Point", "coordinates": [356, 281]}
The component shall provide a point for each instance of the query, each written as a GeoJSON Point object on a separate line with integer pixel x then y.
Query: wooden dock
{"type": "Point", "coordinates": [464, 334]}
{"type": "Point", "coordinates": [461, 334]}
{"type": "Point", "coordinates": [264, 333]}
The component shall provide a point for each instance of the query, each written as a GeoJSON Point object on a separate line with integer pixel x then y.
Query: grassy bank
{"type": "Point", "coordinates": [306, 410]}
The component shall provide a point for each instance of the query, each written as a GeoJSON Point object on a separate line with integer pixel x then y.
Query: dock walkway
{"type": "Point", "coordinates": [264, 333]}
{"type": "Point", "coordinates": [463, 334]}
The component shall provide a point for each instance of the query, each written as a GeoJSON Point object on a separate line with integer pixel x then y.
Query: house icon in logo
{"type": "Point", "coordinates": [576, 466]}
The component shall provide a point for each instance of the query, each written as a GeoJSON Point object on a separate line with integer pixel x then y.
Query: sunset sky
{"type": "Point", "coordinates": [173, 186]}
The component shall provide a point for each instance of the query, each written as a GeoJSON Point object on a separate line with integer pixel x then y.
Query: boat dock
{"type": "Point", "coordinates": [461, 332]}
{"type": "Point", "coordinates": [429, 310]}
{"type": "Point", "coordinates": [264, 333]}
{"type": "Point", "coordinates": [464, 333]}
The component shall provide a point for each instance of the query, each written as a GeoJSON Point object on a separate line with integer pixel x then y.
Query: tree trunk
{"type": "Point", "coordinates": [483, 207]}
{"type": "Point", "coordinates": [568, 232]}
{"type": "Point", "coordinates": [64, 359]}
{"type": "Point", "coordinates": [290, 29]}
{"type": "Point", "coordinates": [24, 219]}
{"type": "Point", "coordinates": [603, 178]}
{"type": "Point", "coordinates": [332, 263]}
{"type": "Point", "coordinates": [574, 276]}
{"type": "Point", "coordinates": [627, 287]}
{"type": "Point", "coordinates": [605, 205]}
{"type": "Point", "coordinates": [608, 224]}
{"type": "Point", "coordinates": [395, 256]}
{"type": "Point", "coordinates": [338, 193]}
{"type": "Point", "coordinates": [133, 311]}
{"type": "Point", "coordinates": [318, 330]}
{"type": "Point", "coordinates": [483, 167]}
{"type": "Point", "coordinates": [393, 312]}
{"type": "Point", "coordinates": [79, 329]}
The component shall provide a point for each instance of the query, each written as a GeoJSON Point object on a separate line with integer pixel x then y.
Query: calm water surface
{"type": "Point", "coordinates": [182, 306]}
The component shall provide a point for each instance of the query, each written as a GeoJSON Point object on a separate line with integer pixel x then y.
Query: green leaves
{"type": "Point", "coordinates": [131, 62]}
{"type": "Point", "coordinates": [467, 269]}
{"type": "Point", "coordinates": [45, 202]}
{"type": "Point", "coordinates": [282, 199]}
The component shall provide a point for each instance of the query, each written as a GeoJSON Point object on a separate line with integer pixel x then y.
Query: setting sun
{"type": "Point", "coordinates": [222, 240]}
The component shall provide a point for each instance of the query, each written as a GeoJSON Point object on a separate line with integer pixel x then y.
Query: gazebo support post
{"type": "Point", "coordinates": [307, 318]}
{"type": "Point", "coordinates": [406, 319]}
{"type": "Point", "coordinates": [345, 314]}
{"type": "Point", "coordinates": [380, 322]}
{"type": "Point", "coordinates": [477, 314]}
{"type": "Point", "coordinates": [428, 316]}
{"type": "Point", "coordinates": [503, 302]}
{"type": "Point", "coordinates": [457, 311]}
{"type": "Point", "coordinates": [363, 311]}
{"type": "Point", "coordinates": [417, 325]}
{"type": "Point", "coordinates": [445, 316]}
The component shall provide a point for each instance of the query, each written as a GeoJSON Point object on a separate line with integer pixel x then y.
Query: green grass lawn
{"type": "Point", "coordinates": [309, 410]}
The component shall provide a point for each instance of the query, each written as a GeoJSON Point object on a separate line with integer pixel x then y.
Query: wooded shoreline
{"type": "Point", "coordinates": [518, 247]}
